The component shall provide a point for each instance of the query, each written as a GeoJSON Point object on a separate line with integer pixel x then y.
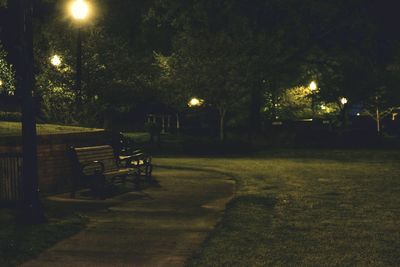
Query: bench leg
{"type": "Point", "coordinates": [74, 186]}
{"type": "Point", "coordinates": [149, 170]}
{"type": "Point", "coordinates": [98, 185]}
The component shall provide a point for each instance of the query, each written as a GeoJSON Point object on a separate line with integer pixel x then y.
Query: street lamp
{"type": "Point", "coordinates": [313, 87]}
{"type": "Point", "coordinates": [195, 102]}
{"type": "Point", "coordinates": [80, 11]}
{"type": "Point", "coordinates": [344, 101]}
{"type": "Point", "coordinates": [55, 60]}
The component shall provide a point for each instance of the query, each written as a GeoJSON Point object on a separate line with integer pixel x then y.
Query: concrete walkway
{"type": "Point", "coordinates": [161, 227]}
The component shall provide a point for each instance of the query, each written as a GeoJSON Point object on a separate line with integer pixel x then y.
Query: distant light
{"type": "Point", "coordinates": [358, 114]}
{"type": "Point", "coordinates": [343, 100]}
{"type": "Point", "coordinates": [195, 102]}
{"type": "Point", "coordinates": [323, 107]}
{"type": "Point", "coordinates": [1, 83]}
{"type": "Point", "coordinates": [56, 60]}
{"type": "Point", "coordinates": [79, 10]}
{"type": "Point", "coordinates": [313, 86]}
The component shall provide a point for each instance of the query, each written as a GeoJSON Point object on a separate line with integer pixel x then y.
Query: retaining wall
{"type": "Point", "coordinates": [54, 162]}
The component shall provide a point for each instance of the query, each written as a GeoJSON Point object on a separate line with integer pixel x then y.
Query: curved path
{"type": "Point", "coordinates": [161, 228]}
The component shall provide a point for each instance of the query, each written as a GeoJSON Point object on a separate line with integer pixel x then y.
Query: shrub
{"type": "Point", "coordinates": [10, 116]}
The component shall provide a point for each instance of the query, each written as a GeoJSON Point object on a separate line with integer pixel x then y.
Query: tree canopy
{"type": "Point", "coordinates": [241, 58]}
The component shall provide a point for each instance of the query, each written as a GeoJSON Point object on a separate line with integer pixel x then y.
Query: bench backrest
{"type": "Point", "coordinates": [105, 154]}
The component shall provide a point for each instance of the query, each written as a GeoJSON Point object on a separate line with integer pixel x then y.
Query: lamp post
{"type": "Point", "coordinates": [313, 87]}
{"type": "Point", "coordinates": [79, 11]}
{"type": "Point", "coordinates": [343, 101]}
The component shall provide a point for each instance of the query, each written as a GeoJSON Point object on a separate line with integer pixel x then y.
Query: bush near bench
{"type": "Point", "coordinates": [10, 116]}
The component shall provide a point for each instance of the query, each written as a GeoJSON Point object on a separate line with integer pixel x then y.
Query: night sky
{"type": "Point", "coordinates": [383, 13]}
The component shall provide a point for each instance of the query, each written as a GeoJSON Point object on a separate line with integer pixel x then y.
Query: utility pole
{"type": "Point", "coordinates": [31, 207]}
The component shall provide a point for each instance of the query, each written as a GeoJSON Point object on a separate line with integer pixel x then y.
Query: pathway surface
{"type": "Point", "coordinates": [163, 227]}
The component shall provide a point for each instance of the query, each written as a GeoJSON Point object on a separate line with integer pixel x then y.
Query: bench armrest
{"type": "Point", "coordinates": [92, 163]}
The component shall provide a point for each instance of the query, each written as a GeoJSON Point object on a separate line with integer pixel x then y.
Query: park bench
{"type": "Point", "coordinates": [140, 160]}
{"type": "Point", "coordinates": [98, 166]}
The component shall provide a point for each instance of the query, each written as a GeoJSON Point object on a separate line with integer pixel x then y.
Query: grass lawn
{"type": "Point", "coordinates": [19, 242]}
{"type": "Point", "coordinates": [306, 208]}
{"type": "Point", "coordinates": [14, 129]}
{"type": "Point", "coordinates": [138, 137]}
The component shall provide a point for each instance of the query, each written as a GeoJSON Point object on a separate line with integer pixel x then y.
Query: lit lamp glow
{"type": "Point", "coordinates": [343, 100]}
{"type": "Point", "coordinates": [79, 10]}
{"type": "Point", "coordinates": [56, 60]}
{"type": "Point", "coordinates": [195, 102]}
{"type": "Point", "coordinates": [313, 86]}
{"type": "Point", "coordinates": [1, 83]}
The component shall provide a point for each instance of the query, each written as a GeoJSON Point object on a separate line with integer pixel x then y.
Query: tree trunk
{"type": "Point", "coordinates": [178, 124]}
{"type": "Point", "coordinates": [378, 120]}
{"type": "Point", "coordinates": [255, 107]}
{"type": "Point", "coordinates": [222, 113]}
{"type": "Point", "coordinates": [31, 210]}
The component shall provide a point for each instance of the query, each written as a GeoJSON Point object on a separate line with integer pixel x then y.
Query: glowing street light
{"type": "Point", "coordinates": [313, 86]}
{"type": "Point", "coordinates": [79, 10]}
{"type": "Point", "coordinates": [55, 60]}
{"type": "Point", "coordinates": [344, 101]}
{"type": "Point", "coordinates": [1, 83]}
{"type": "Point", "coordinates": [195, 102]}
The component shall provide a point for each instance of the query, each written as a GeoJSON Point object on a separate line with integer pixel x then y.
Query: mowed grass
{"type": "Point", "coordinates": [306, 208]}
{"type": "Point", "coordinates": [20, 242]}
{"type": "Point", "coordinates": [14, 129]}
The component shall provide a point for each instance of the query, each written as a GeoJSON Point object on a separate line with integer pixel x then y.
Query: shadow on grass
{"type": "Point", "coordinates": [20, 242]}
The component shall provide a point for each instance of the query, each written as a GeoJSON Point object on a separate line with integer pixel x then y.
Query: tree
{"type": "Point", "coordinates": [270, 39]}
{"type": "Point", "coordinates": [7, 76]}
{"type": "Point", "coordinates": [208, 66]}
{"type": "Point", "coordinates": [32, 210]}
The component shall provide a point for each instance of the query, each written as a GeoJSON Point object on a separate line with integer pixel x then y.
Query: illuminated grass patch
{"type": "Point", "coordinates": [330, 208]}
